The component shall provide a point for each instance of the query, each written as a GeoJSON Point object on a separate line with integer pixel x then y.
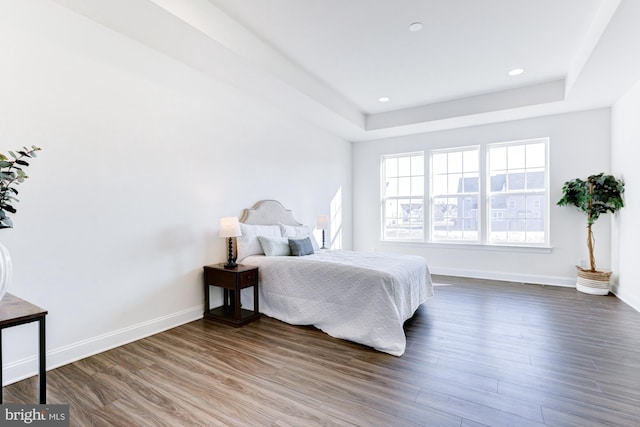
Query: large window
{"type": "Point", "coordinates": [403, 197]}
{"type": "Point", "coordinates": [455, 190]}
{"type": "Point", "coordinates": [495, 194]}
{"type": "Point", "coordinates": [517, 193]}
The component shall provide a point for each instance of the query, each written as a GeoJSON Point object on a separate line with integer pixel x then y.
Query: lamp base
{"type": "Point", "coordinates": [231, 262]}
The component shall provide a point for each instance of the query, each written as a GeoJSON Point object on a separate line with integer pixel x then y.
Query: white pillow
{"type": "Point", "coordinates": [275, 246]}
{"type": "Point", "coordinates": [248, 243]}
{"type": "Point", "coordinates": [299, 231]}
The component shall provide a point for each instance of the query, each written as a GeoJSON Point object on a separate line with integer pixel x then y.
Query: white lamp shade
{"type": "Point", "coordinates": [323, 222]}
{"type": "Point", "coordinates": [230, 227]}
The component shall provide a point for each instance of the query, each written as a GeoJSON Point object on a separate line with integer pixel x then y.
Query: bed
{"type": "Point", "coordinates": [358, 296]}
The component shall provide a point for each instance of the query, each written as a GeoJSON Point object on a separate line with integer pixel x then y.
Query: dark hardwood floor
{"type": "Point", "coordinates": [478, 353]}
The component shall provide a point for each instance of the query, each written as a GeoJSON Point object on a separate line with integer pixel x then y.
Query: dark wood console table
{"type": "Point", "coordinates": [15, 311]}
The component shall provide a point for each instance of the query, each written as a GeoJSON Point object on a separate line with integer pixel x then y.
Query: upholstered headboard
{"type": "Point", "coordinates": [268, 212]}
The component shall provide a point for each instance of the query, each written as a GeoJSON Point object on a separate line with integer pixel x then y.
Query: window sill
{"type": "Point", "coordinates": [471, 246]}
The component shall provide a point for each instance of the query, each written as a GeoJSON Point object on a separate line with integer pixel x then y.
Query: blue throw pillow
{"type": "Point", "coordinates": [300, 247]}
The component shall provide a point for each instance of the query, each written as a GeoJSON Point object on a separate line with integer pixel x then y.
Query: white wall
{"type": "Point", "coordinates": [579, 146]}
{"type": "Point", "coordinates": [141, 157]}
{"type": "Point", "coordinates": [625, 148]}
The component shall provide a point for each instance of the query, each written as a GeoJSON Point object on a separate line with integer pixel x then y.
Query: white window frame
{"type": "Point", "coordinates": [484, 201]}
{"type": "Point", "coordinates": [544, 192]}
{"type": "Point", "coordinates": [384, 198]}
{"type": "Point", "coordinates": [449, 195]}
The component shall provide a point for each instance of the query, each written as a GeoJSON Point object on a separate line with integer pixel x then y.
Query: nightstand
{"type": "Point", "coordinates": [232, 280]}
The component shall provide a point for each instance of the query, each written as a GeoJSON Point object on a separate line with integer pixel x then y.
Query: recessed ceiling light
{"type": "Point", "coordinates": [384, 99]}
{"type": "Point", "coordinates": [516, 71]}
{"type": "Point", "coordinates": [415, 26]}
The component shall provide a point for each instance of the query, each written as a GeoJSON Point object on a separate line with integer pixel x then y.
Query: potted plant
{"type": "Point", "coordinates": [11, 174]}
{"type": "Point", "coordinates": [597, 195]}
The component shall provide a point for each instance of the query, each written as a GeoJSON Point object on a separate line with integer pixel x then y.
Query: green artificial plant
{"type": "Point", "coordinates": [599, 194]}
{"type": "Point", "coordinates": [12, 174]}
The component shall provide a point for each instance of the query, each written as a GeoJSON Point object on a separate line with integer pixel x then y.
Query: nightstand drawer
{"type": "Point", "coordinates": [248, 278]}
{"type": "Point", "coordinates": [222, 278]}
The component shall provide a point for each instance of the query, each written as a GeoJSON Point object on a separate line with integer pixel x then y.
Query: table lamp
{"type": "Point", "coordinates": [323, 222]}
{"type": "Point", "coordinates": [229, 228]}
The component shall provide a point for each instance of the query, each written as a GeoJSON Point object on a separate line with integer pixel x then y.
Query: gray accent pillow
{"type": "Point", "coordinates": [300, 247]}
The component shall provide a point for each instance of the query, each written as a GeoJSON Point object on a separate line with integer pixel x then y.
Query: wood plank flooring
{"type": "Point", "coordinates": [478, 353]}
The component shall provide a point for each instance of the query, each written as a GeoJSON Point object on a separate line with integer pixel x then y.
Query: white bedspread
{"type": "Point", "coordinates": [358, 296]}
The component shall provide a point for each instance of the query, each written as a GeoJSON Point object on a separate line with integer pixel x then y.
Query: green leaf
{"type": "Point", "coordinates": [7, 176]}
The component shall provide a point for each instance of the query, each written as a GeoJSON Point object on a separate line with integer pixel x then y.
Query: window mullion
{"type": "Point", "coordinates": [426, 200]}
{"type": "Point", "coordinates": [483, 202]}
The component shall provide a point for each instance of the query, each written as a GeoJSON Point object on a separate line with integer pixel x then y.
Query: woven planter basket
{"type": "Point", "coordinates": [593, 282]}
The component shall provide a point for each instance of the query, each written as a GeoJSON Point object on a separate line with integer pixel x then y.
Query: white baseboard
{"type": "Point", "coordinates": [569, 282]}
{"type": "Point", "coordinates": [60, 356]}
{"type": "Point", "coordinates": [631, 300]}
